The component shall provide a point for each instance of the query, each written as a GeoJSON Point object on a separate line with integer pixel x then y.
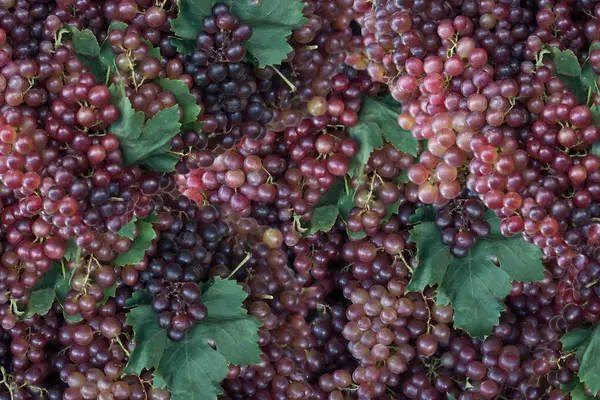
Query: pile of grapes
{"type": "Point", "coordinates": [299, 199]}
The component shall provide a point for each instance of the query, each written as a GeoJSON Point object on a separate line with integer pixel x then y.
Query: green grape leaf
{"type": "Point", "coordinates": [130, 123]}
{"type": "Point", "coordinates": [184, 46]}
{"type": "Point", "coordinates": [323, 219]}
{"type": "Point", "coordinates": [139, 246]}
{"type": "Point", "coordinates": [190, 368]}
{"type": "Point", "coordinates": [139, 297]}
{"type": "Point", "coordinates": [379, 117]}
{"type": "Point", "coordinates": [43, 293]}
{"type": "Point", "coordinates": [596, 121]}
{"type": "Point", "coordinates": [566, 62]}
{"type": "Point", "coordinates": [184, 98]}
{"type": "Point", "coordinates": [128, 229]}
{"type": "Point", "coordinates": [85, 42]}
{"type": "Point", "coordinates": [228, 324]}
{"type": "Point", "coordinates": [422, 214]}
{"type": "Point", "coordinates": [272, 23]}
{"type": "Point", "coordinates": [577, 393]}
{"type": "Point", "coordinates": [368, 136]}
{"type": "Point", "coordinates": [586, 344]}
{"type": "Point", "coordinates": [474, 285]}
{"type": "Point", "coordinates": [161, 162]}
{"type": "Point", "coordinates": [433, 256]}
{"type": "Point", "coordinates": [150, 339]}
{"type": "Point", "coordinates": [332, 195]}
{"type": "Point", "coordinates": [158, 131]}
{"type": "Point", "coordinates": [73, 251]}
{"type": "Point", "coordinates": [588, 76]}
{"type": "Point", "coordinates": [572, 340]}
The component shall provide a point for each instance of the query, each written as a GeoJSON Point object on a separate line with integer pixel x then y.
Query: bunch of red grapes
{"type": "Point", "coordinates": [500, 131]}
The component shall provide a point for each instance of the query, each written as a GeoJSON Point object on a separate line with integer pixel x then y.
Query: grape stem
{"type": "Point", "coordinates": [286, 80]}
{"type": "Point", "coordinates": [240, 265]}
{"type": "Point", "coordinates": [118, 340]}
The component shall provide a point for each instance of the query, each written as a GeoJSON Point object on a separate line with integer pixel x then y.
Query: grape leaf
{"type": "Point", "coordinates": [127, 230]}
{"type": "Point", "coordinates": [572, 340]}
{"type": "Point", "coordinates": [569, 71]}
{"type": "Point", "coordinates": [323, 219]}
{"type": "Point", "coordinates": [586, 343]}
{"type": "Point", "coordinates": [596, 121]}
{"type": "Point", "coordinates": [566, 62]}
{"type": "Point", "coordinates": [190, 368]}
{"type": "Point", "coordinates": [73, 251]}
{"type": "Point", "coordinates": [161, 162]}
{"type": "Point", "coordinates": [138, 297]}
{"type": "Point", "coordinates": [577, 393]}
{"type": "Point", "coordinates": [379, 117]}
{"type": "Point", "coordinates": [139, 246]}
{"type": "Point", "coordinates": [158, 131]}
{"type": "Point", "coordinates": [272, 23]}
{"type": "Point", "coordinates": [474, 285]}
{"type": "Point", "coordinates": [130, 123]}
{"type": "Point", "coordinates": [588, 76]}
{"type": "Point", "coordinates": [184, 98]}
{"type": "Point", "coordinates": [43, 293]}
{"type": "Point", "coordinates": [87, 49]}
{"type": "Point", "coordinates": [368, 137]}
{"type": "Point", "coordinates": [184, 46]}
{"type": "Point", "coordinates": [150, 339]}
{"type": "Point", "coordinates": [229, 325]}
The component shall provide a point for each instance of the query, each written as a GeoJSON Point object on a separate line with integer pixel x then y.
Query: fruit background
{"type": "Point", "coordinates": [286, 199]}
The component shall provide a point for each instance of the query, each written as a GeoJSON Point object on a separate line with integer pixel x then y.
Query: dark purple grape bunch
{"type": "Point", "coordinates": [183, 257]}
{"type": "Point", "coordinates": [178, 305]}
{"type": "Point", "coordinates": [462, 223]}
{"type": "Point", "coordinates": [234, 107]}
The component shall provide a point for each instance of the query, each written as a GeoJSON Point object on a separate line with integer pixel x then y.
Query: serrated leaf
{"type": "Point", "coordinates": [356, 235]}
{"type": "Point", "coordinates": [433, 256]}
{"type": "Point", "coordinates": [85, 42]}
{"type": "Point", "coordinates": [128, 229]}
{"type": "Point", "coordinates": [223, 298]}
{"type": "Point", "coordinates": [150, 339]}
{"type": "Point", "coordinates": [107, 56]}
{"type": "Point", "coordinates": [577, 393]}
{"type": "Point", "coordinates": [566, 62]}
{"type": "Point", "coordinates": [272, 23]}
{"type": "Point", "coordinates": [425, 213]}
{"type": "Point", "coordinates": [236, 338]}
{"type": "Point", "coordinates": [161, 162]}
{"type": "Point", "coordinates": [73, 252]}
{"type": "Point", "coordinates": [595, 121]}
{"type": "Point", "coordinates": [139, 246]}
{"type": "Point", "coordinates": [323, 219]}
{"type": "Point", "coordinates": [379, 117]}
{"type": "Point", "coordinates": [158, 131]}
{"type": "Point", "coordinates": [368, 137]}
{"type": "Point", "coordinates": [332, 196]}
{"type": "Point", "coordinates": [192, 369]}
{"type": "Point", "coordinates": [588, 76]}
{"type": "Point", "coordinates": [130, 123]}
{"type": "Point", "coordinates": [392, 209]}
{"type": "Point", "coordinates": [588, 354]}
{"type": "Point", "coordinates": [184, 98]}
{"type": "Point", "coordinates": [474, 285]}
{"type": "Point", "coordinates": [139, 297]}
{"type": "Point", "coordinates": [184, 46]}
{"type": "Point", "coordinates": [43, 293]}
{"type": "Point", "coordinates": [572, 340]}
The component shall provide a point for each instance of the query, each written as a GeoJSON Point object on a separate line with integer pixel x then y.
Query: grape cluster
{"type": "Point", "coordinates": [462, 223]}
